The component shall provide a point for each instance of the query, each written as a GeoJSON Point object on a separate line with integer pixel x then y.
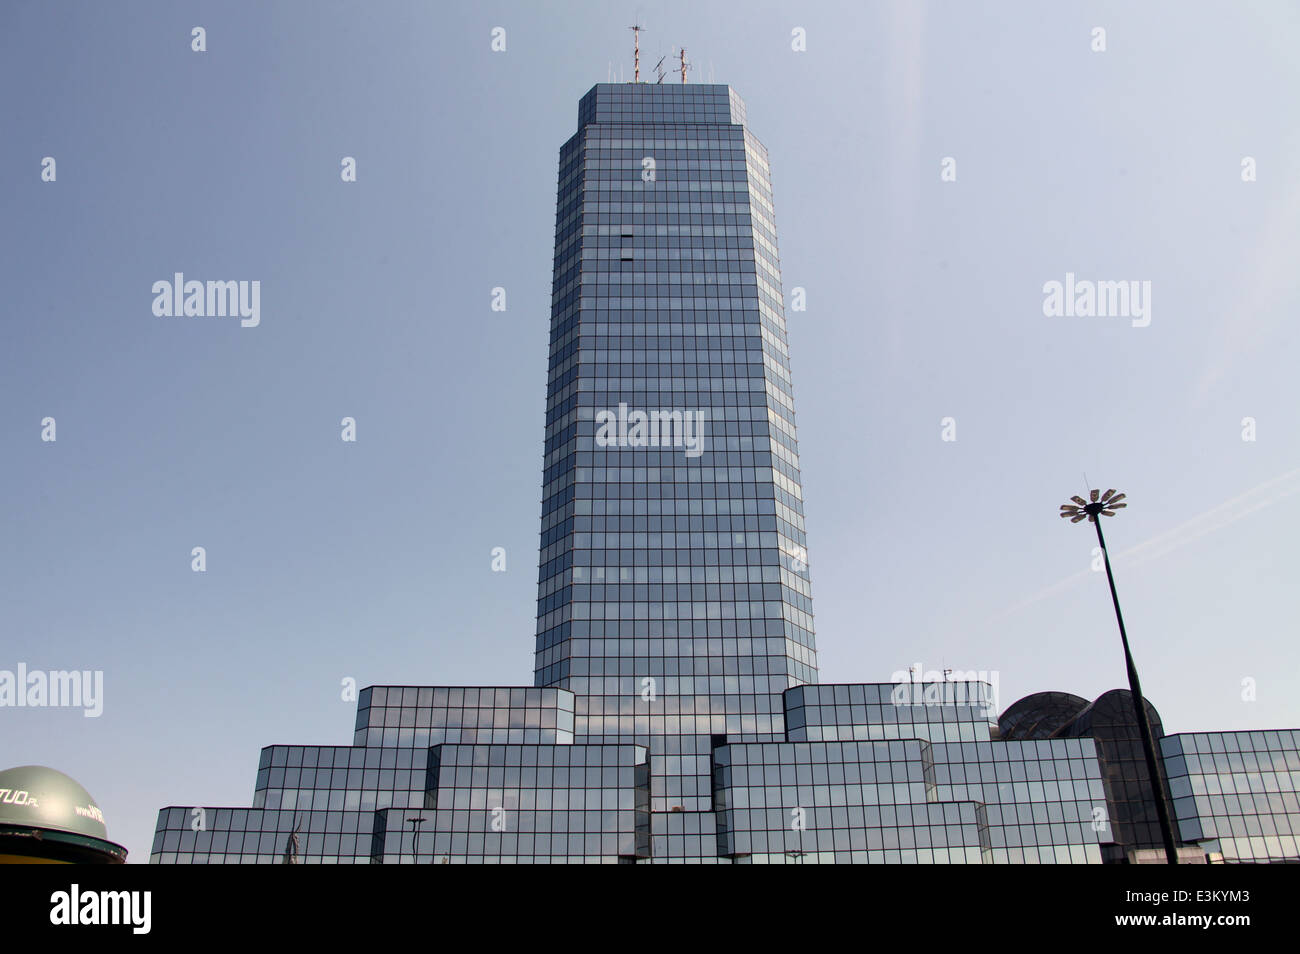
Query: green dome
{"type": "Point", "coordinates": [33, 796]}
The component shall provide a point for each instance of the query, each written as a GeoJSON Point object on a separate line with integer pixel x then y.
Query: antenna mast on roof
{"type": "Point", "coordinates": [684, 65]}
{"type": "Point", "coordinates": [636, 52]}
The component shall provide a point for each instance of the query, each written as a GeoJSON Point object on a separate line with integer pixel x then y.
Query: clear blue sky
{"type": "Point", "coordinates": [372, 560]}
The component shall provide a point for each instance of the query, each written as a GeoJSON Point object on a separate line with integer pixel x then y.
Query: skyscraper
{"type": "Point", "coordinates": [675, 713]}
{"type": "Point", "coordinates": [673, 596]}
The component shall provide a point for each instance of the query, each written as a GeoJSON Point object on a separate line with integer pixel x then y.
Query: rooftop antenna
{"type": "Point", "coordinates": [659, 69]}
{"type": "Point", "coordinates": [684, 64]}
{"type": "Point", "coordinates": [636, 52]}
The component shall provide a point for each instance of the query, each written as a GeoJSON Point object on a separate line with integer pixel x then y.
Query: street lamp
{"type": "Point", "coordinates": [1099, 505]}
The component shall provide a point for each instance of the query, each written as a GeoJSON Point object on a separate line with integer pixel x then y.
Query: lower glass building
{"type": "Point", "coordinates": [875, 773]}
{"type": "Point", "coordinates": [864, 775]}
{"type": "Point", "coordinates": [1111, 723]}
{"type": "Point", "coordinates": [1231, 794]}
{"type": "Point", "coordinates": [1235, 794]}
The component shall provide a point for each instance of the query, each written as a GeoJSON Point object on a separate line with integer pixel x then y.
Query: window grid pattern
{"type": "Point", "coordinates": [529, 804]}
{"type": "Point", "coordinates": [417, 717]}
{"type": "Point", "coordinates": [256, 836]}
{"type": "Point", "coordinates": [909, 801]}
{"type": "Point", "coordinates": [851, 802]}
{"type": "Point", "coordinates": [935, 712]}
{"type": "Point", "coordinates": [1237, 793]}
{"type": "Point", "coordinates": [334, 778]}
{"type": "Point", "coordinates": [673, 594]}
{"type": "Point", "coordinates": [1042, 802]}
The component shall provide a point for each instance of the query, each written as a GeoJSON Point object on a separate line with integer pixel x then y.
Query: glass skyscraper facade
{"type": "Point", "coordinates": [676, 714]}
{"type": "Point", "coordinates": [673, 598]}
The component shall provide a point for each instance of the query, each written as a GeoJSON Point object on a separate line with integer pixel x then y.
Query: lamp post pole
{"type": "Point", "coordinates": [1094, 510]}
